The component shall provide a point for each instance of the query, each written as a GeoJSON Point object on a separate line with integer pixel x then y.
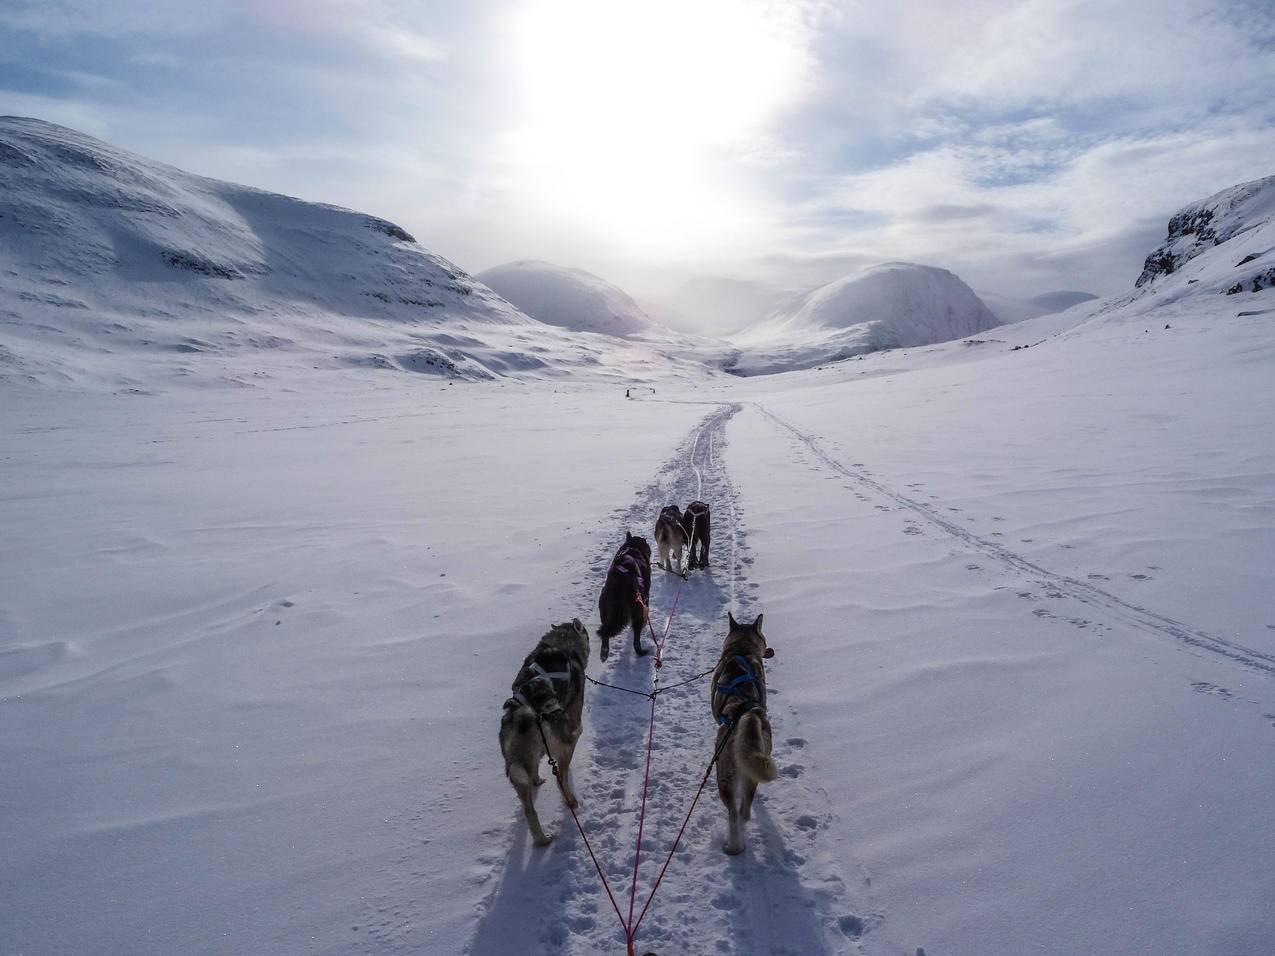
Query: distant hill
{"type": "Point", "coordinates": [1058, 301]}
{"type": "Point", "coordinates": [891, 305]}
{"type": "Point", "coordinates": [569, 298]}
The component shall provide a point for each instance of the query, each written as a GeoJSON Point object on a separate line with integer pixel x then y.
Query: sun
{"type": "Point", "coordinates": [635, 116]}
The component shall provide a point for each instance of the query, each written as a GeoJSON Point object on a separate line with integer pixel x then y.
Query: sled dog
{"type": "Point", "coordinates": [695, 522]}
{"type": "Point", "coordinates": [549, 691]}
{"type": "Point", "coordinates": [738, 701]}
{"type": "Point", "coordinates": [670, 538]}
{"type": "Point", "coordinates": [626, 593]}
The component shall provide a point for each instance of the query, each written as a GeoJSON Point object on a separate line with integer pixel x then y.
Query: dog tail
{"type": "Point", "coordinates": [753, 750]}
{"type": "Point", "coordinates": [612, 625]}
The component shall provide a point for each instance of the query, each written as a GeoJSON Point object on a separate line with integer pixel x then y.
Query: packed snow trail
{"type": "Point", "coordinates": [781, 896]}
{"type": "Point", "coordinates": [1141, 618]}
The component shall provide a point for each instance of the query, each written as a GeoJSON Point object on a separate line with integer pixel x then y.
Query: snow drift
{"type": "Point", "coordinates": [570, 298]}
{"type": "Point", "coordinates": [885, 306]}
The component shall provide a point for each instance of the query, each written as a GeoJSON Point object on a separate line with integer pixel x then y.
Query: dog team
{"type": "Point", "coordinates": [544, 716]}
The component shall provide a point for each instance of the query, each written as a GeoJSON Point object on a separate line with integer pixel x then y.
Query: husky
{"type": "Point", "coordinates": [738, 702]}
{"type": "Point", "coordinates": [626, 594]}
{"type": "Point", "coordinates": [670, 537]}
{"type": "Point", "coordinates": [549, 692]}
{"type": "Point", "coordinates": [695, 522]}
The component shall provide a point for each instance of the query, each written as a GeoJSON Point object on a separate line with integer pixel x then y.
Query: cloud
{"type": "Point", "coordinates": [1028, 147]}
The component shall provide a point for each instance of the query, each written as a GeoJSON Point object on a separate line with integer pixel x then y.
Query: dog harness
{"type": "Point", "coordinates": [629, 566]}
{"type": "Point", "coordinates": [745, 686]}
{"type": "Point", "coordinates": [539, 673]}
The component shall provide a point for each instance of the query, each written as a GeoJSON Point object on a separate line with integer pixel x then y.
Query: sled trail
{"type": "Point", "coordinates": [782, 896]}
{"type": "Point", "coordinates": [1142, 619]}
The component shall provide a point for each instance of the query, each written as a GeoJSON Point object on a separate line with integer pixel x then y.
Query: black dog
{"type": "Point", "coordinates": [626, 593]}
{"type": "Point", "coordinates": [695, 521]}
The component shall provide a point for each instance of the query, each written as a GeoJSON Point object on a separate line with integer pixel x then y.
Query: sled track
{"type": "Point", "coordinates": [1139, 617]}
{"type": "Point", "coordinates": [781, 896]}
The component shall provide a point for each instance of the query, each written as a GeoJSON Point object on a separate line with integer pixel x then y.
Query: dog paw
{"type": "Point", "coordinates": [571, 801]}
{"type": "Point", "coordinates": [544, 840]}
{"type": "Point", "coordinates": [538, 781]}
{"type": "Point", "coordinates": [732, 849]}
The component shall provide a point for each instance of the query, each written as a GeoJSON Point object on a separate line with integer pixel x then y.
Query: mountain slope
{"type": "Point", "coordinates": [120, 272]}
{"type": "Point", "coordinates": [1203, 225]}
{"type": "Point", "coordinates": [569, 298]}
{"type": "Point", "coordinates": [885, 306]}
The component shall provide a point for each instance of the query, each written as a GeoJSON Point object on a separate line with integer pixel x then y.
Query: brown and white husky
{"type": "Point", "coordinates": [547, 706]}
{"type": "Point", "coordinates": [739, 706]}
{"type": "Point", "coordinates": [670, 538]}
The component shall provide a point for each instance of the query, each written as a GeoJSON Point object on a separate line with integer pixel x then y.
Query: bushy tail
{"type": "Point", "coordinates": [753, 750]}
{"type": "Point", "coordinates": [614, 619]}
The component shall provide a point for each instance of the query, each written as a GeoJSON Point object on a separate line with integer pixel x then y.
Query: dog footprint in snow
{"type": "Point", "coordinates": [807, 822]}
{"type": "Point", "coordinates": [1141, 577]}
{"type": "Point", "coordinates": [972, 567]}
{"type": "Point", "coordinates": [911, 529]}
{"type": "Point", "coordinates": [1098, 577]}
{"type": "Point", "coordinates": [793, 770]}
{"type": "Point", "coordinates": [1204, 687]}
{"type": "Point", "coordinates": [851, 926]}
{"type": "Point", "coordinates": [796, 742]}
{"type": "Point", "coordinates": [726, 901]}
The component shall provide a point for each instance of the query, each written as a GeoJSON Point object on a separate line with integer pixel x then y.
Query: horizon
{"type": "Point", "coordinates": [781, 144]}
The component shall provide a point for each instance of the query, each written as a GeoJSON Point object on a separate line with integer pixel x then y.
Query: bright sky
{"type": "Point", "coordinates": [1027, 146]}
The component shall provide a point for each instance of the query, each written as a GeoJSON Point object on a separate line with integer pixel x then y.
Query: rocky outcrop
{"type": "Point", "coordinates": [1208, 223]}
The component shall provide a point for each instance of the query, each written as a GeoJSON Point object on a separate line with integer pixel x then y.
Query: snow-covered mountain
{"type": "Point", "coordinates": [570, 298]}
{"type": "Point", "coordinates": [885, 306]}
{"type": "Point", "coordinates": [122, 272]}
{"type": "Point", "coordinates": [1238, 213]}
{"type": "Point", "coordinates": [722, 304]}
{"type": "Point", "coordinates": [1061, 300]}
{"type": "Point", "coordinates": [1010, 309]}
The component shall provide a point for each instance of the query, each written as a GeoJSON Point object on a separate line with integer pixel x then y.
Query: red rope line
{"type": "Point", "coordinates": [669, 859]}
{"type": "Point", "coordinates": [650, 739]}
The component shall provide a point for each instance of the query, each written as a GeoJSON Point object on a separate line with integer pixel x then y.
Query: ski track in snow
{"type": "Point", "coordinates": [1141, 618]}
{"type": "Point", "coordinates": [783, 895]}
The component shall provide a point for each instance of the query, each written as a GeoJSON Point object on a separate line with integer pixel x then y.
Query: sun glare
{"type": "Point", "coordinates": [630, 109]}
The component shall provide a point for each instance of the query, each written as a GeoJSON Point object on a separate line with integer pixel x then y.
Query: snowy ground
{"type": "Point", "coordinates": [254, 643]}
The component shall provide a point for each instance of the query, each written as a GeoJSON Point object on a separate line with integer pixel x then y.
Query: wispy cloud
{"type": "Point", "coordinates": [1027, 146]}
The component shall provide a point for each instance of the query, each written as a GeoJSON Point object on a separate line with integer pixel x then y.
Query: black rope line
{"type": "Point", "coordinates": [651, 694]}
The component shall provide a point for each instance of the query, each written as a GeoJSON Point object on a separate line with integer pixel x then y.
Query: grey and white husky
{"type": "Point", "coordinates": [738, 701]}
{"type": "Point", "coordinates": [548, 695]}
{"type": "Point", "coordinates": [670, 538]}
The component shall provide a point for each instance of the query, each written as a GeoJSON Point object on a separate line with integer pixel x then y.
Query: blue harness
{"type": "Point", "coordinates": [743, 686]}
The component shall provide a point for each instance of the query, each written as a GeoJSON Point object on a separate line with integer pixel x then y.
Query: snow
{"type": "Point", "coordinates": [570, 298]}
{"type": "Point", "coordinates": [885, 306]}
{"type": "Point", "coordinates": [254, 641]}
